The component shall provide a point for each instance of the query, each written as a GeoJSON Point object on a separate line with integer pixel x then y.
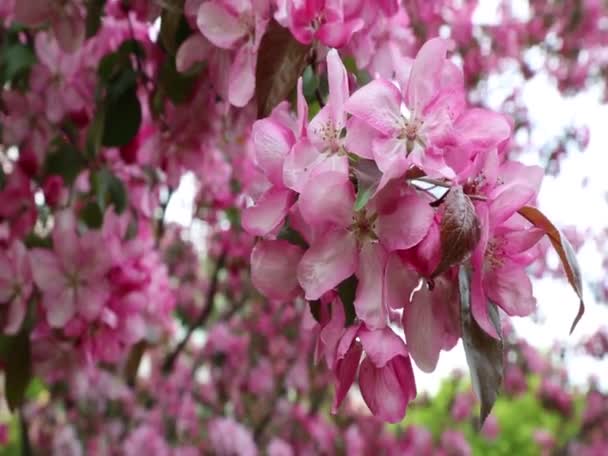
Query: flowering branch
{"type": "Point", "coordinates": [202, 318]}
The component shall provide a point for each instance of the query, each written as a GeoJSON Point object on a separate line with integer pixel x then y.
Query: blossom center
{"type": "Point", "coordinates": [364, 226]}
{"type": "Point", "coordinates": [330, 134]}
{"type": "Point", "coordinates": [410, 132]}
{"type": "Point", "coordinates": [495, 253]}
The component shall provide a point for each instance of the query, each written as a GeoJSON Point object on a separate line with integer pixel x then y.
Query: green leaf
{"type": "Point", "coordinates": [483, 352]}
{"type": "Point", "coordinates": [115, 63]}
{"type": "Point", "coordinates": [66, 161]}
{"type": "Point", "coordinates": [95, 133]}
{"type": "Point", "coordinates": [178, 86]}
{"type": "Point", "coordinates": [16, 61]}
{"type": "Point", "coordinates": [92, 215]}
{"type": "Point", "coordinates": [93, 18]}
{"type": "Point", "coordinates": [565, 252]}
{"type": "Point", "coordinates": [174, 27]}
{"type": "Point", "coordinates": [109, 189]}
{"type": "Point", "coordinates": [347, 291]}
{"type": "Point", "coordinates": [122, 118]}
{"type": "Point", "coordinates": [281, 61]}
{"type": "Point", "coordinates": [310, 83]}
{"type": "Point", "coordinates": [35, 388]}
{"type": "Point", "coordinates": [368, 177]}
{"type": "Point", "coordinates": [292, 236]}
{"type": "Point", "coordinates": [315, 309]}
{"type": "Point", "coordinates": [16, 355]}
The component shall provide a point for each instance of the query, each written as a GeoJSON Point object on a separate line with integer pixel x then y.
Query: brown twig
{"type": "Point", "coordinates": [202, 318]}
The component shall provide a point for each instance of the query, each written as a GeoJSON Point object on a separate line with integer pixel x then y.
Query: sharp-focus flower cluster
{"type": "Point", "coordinates": [351, 184]}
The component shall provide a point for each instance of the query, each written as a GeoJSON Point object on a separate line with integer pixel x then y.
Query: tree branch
{"type": "Point", "coordinates": [202, 318]}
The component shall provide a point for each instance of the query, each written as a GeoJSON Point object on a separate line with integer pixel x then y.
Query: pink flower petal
{"type": "Point", "coordinates": [60, 308]}
{"type": "Point", "coordinates": [195, 49]}
{"type": "Point", "coordinates": [299, 163]}
{"type": "Point", "coordinates": [382, 345]}
{"type": "Point", "coordinates": [274, 267]}
{"type": "Point", "coordinates": [242, 77]}
{"type": "Point", "coordinates": [481, 129]}
{"type": "Point", "coordinates": [423, 330]}
{"type": "Point", "coordinates": [337, 34]}
{"type": "Point", "coordinates": [47, 271]}
{"type": "Point", "coordinates": [511, 290]}
{"type": "Point", "coordinates": [327, 200]}
{"type": "Point", "coordinates": [390, 155]}
{"type": "Point", "coordinates": [329, 261]}
{"type": "Point", "coordinates": [369, 301]}
{"type": "Point", "coordinates": [382, 391]}
{"type": "Point", "coordinates": [359, 138]}
{"type": "Point", "coordinates": [345, 371]}
{"type": "Point", "coordinates": [272, 143]}
{"type": "Point", "coordinates": [219, 26]}
{"type": "Point", "coordinates": [338, 88]}
{"type": "Point", "coordinates": [404, 225]}
{"type": "Point", "coordinates": [425, 77]}
{"type": "Point", "coordinates": [510, 199]}
{"type": "Point", "coordinates": [269, 212]}
{"type": "Point", "coordinates": [399, 281]}
{"type": "Point", "coordinates": [377, 104]}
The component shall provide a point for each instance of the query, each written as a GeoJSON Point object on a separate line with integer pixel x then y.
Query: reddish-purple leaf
{"type": "Point", "coordinates": [483, 352]}
{"type": "Point", "coordinates": [564, 250]}
{"type": "Point", "coordinates": [459, 230]}
{"type": "Point", "coordinates": [281, 60]}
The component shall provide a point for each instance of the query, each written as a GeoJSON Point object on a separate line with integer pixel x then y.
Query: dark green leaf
{"type": "Point", "coordinates": [315, 309]}
{"type": "Point", "coordinates": [109, 189]}
{"type": "Point", "coordinates": [118, 194]}
{"type": "Point", "coordinates": [368, 177]}
{"type": "Point", "coordinates": [565, 252]}
{"type": "Point", "coordinates": [281, 60]}
{"type": "Point", "coordinates": [33, 240]}
{"type": "Point", "coordinates": [483, 352]}
{"type": "Point", "coordinates": [16, 355]}
{"type": "Point", "coordinates": [309, 83]}
{"type": "Point", "coordinates": [178, 86]}
{"type": "Point", "coordinates": [115, 63]}
{"type": "Point", "coordinates": [16, 61]}
{"type": "Point", "coordinates": [93, 18]}
{"type": "Point", "coordinates": [92, 215]}
{"type": "Point", "coordinates": [292, 236]}
{"type": "Point", "coordinates": [174, 27]}
{"type": "Point", "coordinates": [347, 291]}
{"type": "Point", "coordinates": [66, 161]}
{"type": "Point", "coordinates": [122, 118]}
{"type": "Point", "coordinates": [95, 133]}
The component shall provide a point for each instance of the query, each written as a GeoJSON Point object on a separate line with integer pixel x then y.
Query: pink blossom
{"type": "Point", "coordinates": [320, 146]}
{"type": "Point", "coordinates": [15, 286]}
{"type": "Point", "coordinates": [324, 21]}
{"type": "Point", "coordinates": [227, 437]}
{"type": "Point", "coordinates": [357, 243]}
{"type": "Point", "coordinates": [72, 275]}
{"type": "Point", "coordinates": [434, 98]}
{"type": "Point", "coordinates": [236, 26]}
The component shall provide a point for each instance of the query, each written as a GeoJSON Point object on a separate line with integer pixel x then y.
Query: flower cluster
{"type": "Point", "coordinates": [351, 185]}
